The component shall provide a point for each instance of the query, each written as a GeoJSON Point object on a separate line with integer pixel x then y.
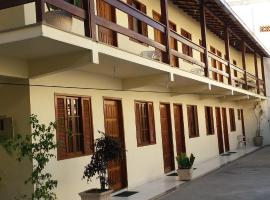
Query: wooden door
{"type": "Point", "coordinates": [158, 36]}
{"type": "Point", "coordinates": [219, 131]}
{"type": "Point", "coordinates": [107, 12]}
{"type": "Point", "coordinates": [167, 141]}
{"type": "Point", "coordinates": [173, 45]}
{"type": "Point", "coordinates": [225, 129]}
{"type": "Point", "coordinates": [243, 123]}
{"type": "Point", "coordinates": [213, 63]}
{"type": "Point", "coordinates": [179, 129]}
{"type": "Point", "coordinates": [114, 127]}
{"type": "Point", "coordinates": [220, 67]}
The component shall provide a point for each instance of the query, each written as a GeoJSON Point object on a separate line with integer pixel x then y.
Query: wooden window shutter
{"type": "Point", "coordinates": [138, 124]}
{"type": "Point", "coordinates": [61, 127]}
{"type": "Point", "coordinates": [190, 121]}
{"type": "Point", "coordinates": [144, 25]}
{"type": "Point", "coordinates": [130, 18]}
{"type": "Point", "coordinates": [88, 138]}
{"type": "Point", "coordinates": [212, 120]}
{"type": "Point", "coordinates": [196, 120]}
{"type": "Point", "coordinates": [207, 120]}
{"type": "Point", "coordinates": [151, 123]}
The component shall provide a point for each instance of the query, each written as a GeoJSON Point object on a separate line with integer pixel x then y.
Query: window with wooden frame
{"type": "Point", "coordinates": [135, 24]}
{"type": "Point", "coordinates": [74, 126]}
{"type": "Point", "coordinates": [187, 50]}
{"type": "Point", "coordinates": [214, 63]}
{"type": "Point", "coordinates": [145, 123]}
{"type": "Point", "coordinates": [193, 124]}
{"type": "Point", "coordinates": [232, 119]}
{"type": "Point", "coordinates": [159, 37]}
{"type": "Point", "coordinates": [209, 120]}
{"type": "Point", "coordinates": [201, 54]}
{"type": "Point", "coordinates": [239, 114]}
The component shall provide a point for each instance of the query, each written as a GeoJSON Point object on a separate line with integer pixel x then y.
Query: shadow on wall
{"type": "Point", "coordinates": [15, 103]}
{"type": "Point", "coordinates": [13, 177]}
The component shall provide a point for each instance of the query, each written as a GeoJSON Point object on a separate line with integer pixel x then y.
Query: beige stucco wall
{"type": "Point", "coordinates": [69, 172]}
{"type": "Point", "coordinates": [15, 102]}
{"type": "Point", "coordinates": [12, 18]}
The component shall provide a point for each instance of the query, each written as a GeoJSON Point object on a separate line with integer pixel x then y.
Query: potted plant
{"type": "Point", "coordinates": [60, 18]}
{"type": "Point", "coordinates": [258, 111]}
{"type": "Point", "coordinates": [106, 149]}
{"type": "Point", "coordinates": [185, 164]}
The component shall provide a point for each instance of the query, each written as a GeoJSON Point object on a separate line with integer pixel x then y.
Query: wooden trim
{"type": "Point", "coordinates": [89, 22]}
{"type": "Point", "coordinates": [217, 58]}
{"type": "Point", "coordinates": [195, 120]}
{"type": "Point", "coordinates": [187, 58]}
{"type": "Point", "coordinates": [263, 76]}
{"type": "Point", "coordinates": [227, 52]}
{"type": "Point", "coordinates": [14, 3]}
{"type": "Point", "coordinates": [210, 129]}
{"type": "Point", "coordinates": [187, 42]}
{"type": "Point", "coordinates": [204, 37]}
{"type": "Point", "coordinates": [72, 9]}
{"type": "Point", "coordinates": [166, 35]}
{"type": "Point", "coordinates": [40, 10]}
{"type": "Point", "coordinates": [75, 154]}
{"type": "Point", "coordinates": [139, 142]}
{"type": "Point", "coordinates": [243, 123]}
{"type": "Point", "coordinates": [124, 162]}
{"type": "Point", "coordinates": [180, 139]}
{"type": "Point", "coordinates": [244, 61]}
{"type": "Point", "coordinates": [232, 119]}
{"type": "Point", "coordinates": [256, 72]}
{"type": "Point", "coordinates": [237, 68]}
{"type": "Point", "coordinates": [127, 32]}
{"type": "Point", "coordinates": [136, 13]}
{"type": "Point", "coordinates": [71, 95]}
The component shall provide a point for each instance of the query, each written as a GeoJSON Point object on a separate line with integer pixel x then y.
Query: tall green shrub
{"type": "Point", "coordinates": [37, 147]}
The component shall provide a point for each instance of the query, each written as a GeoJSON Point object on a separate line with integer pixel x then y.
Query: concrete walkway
{"type": "Point", "coordinates": [164, 184]}
{"type": "Point", "coordinates": [245, 179]}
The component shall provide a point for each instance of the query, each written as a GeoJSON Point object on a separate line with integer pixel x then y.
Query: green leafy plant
{"type": "Point", "coordinates": [185, 162]}
{"type": "Point", "coordinates": [106, 149]}
{"type": "Point", "coordinates": [37, 147]}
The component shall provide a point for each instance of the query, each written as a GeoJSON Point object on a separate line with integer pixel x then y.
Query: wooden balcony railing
{"type": "Point", "coordinates": [236, 76]}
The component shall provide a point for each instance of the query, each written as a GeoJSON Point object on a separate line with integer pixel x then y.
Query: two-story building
{"type": "Point", "coordinates": [165, 76]}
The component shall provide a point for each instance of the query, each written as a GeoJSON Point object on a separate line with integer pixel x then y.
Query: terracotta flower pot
{"type": "Point", "coordinates": [258, 141]}
{"type": "Point", "coordinates": [96, 194]}
{"type": "Point", "coordinates": [59, 19]}
{"type": "Point", "coordinates": [185, 174]}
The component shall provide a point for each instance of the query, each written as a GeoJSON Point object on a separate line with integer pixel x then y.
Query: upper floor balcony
{"type": "Point", "coordinates": [189, 38]}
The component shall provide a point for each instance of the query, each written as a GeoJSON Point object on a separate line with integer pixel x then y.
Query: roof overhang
{"type": "Point", "coordinates": [219, 14]}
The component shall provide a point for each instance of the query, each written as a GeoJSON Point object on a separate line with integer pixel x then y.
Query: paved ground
{"type": "Point", "coordinates": [245, 179]}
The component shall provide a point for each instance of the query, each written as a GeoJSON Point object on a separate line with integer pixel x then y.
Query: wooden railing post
{"type": "Point", "coordinates": [256, 72]}
{"type": "Point", "coordinates": [89, 24]}
{"type": "Point", "coordinates": [244, 63]}
{"type": "Point", "coordinates": [166, 35]}
{"type": "Point", "coordinates": [228, 53]}
{"type": "Point", "coordinates": [263, 76]}
{"type": "Point", "coordinates": [40, 10]}
{"type": "Point", "coordinates": [204, 37]}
